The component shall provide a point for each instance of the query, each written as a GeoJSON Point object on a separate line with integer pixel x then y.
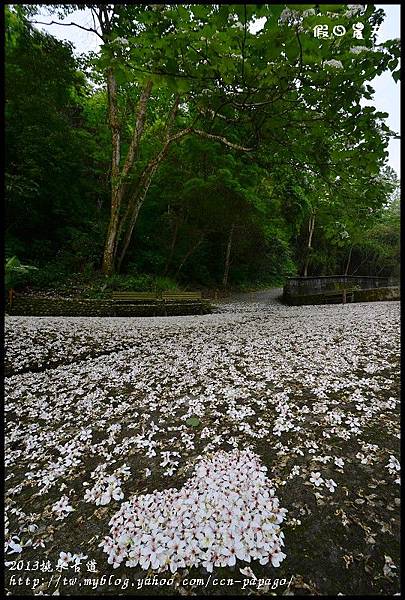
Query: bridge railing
{"type": "Point", "coordinates": [297, 286]}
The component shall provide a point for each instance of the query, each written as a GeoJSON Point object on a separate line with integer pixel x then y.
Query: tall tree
{"type": "Point", "coordinates": [279, 87]}
{"type": "Point", "coordinates": [46, 144]}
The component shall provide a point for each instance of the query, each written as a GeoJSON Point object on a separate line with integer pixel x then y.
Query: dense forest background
{"type": "Point", "coordinates": [214, 216]}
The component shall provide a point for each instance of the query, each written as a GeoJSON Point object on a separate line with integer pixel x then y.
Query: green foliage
{"type": "Point", "coordinates": [15, 273]}
{"type": "Point", "coordinates": [136, 283]}
{"type": "Point", "coordinates": [380, 249]}
{"type": "Point", "coordinates": [99, 287]}
{"type": "Point", "coordinates": [48, 158]}
{"type": "Point", "coordinates": [165, 284]}
{"type": "Point", "coordinates": [52, 275]}
{"type": "Point", "coordinates": [316, 150]}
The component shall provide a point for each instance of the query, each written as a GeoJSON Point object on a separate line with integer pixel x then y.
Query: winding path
{"type": "Point", "coordinates": [269, 296]}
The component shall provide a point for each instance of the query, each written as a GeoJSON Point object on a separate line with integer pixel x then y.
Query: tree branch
{"type": "Point", "coordinates": [114, 124]}
{"type": "Point", "coordinates": [134, 205]}
{"type": "Point", "coordinates": [301, 51]}
{"type": "Point", "coordinates": [214, 114]}
{"type": "Point", "coordinates": [221, 139]}
{"type": "Point", "coordinates": [243, 44]}
{"type": "Point", "coordinates": [139, 127]}
{"type": "Point", "coordinates": [172, 115]}
{"type": "Point", "coordinates": [69, 25]}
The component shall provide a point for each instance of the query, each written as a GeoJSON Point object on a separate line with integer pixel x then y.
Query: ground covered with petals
{"type": "Point", "coordinates": [261, 441]}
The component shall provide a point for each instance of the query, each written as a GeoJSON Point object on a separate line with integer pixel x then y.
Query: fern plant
{"type": "Point", "coordinates": [13, 268]}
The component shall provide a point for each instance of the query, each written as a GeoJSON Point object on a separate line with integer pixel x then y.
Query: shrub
{"type": "Point", "coordinates": [141, 282]}
{"type": "Point", "coordinates": [16, 274]}
{"type": "Point", "coordinates": [135, 283]}
{"type": "Point", "coordinates": [165, 284]}
{"type": "Point", "coordinates": [52, 275]}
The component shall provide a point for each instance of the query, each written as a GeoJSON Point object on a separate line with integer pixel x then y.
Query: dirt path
{"type": "Point", "coordinates": [269, 296]}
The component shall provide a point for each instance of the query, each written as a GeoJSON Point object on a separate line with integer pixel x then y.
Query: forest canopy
{"type": "Point", "coordinates": [204, 145]}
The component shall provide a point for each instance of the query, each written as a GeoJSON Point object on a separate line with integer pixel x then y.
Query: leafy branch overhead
{"type": "Point", "coordinates": [243, 83]}
{"type": "Point", "coordinates": [272, 85]}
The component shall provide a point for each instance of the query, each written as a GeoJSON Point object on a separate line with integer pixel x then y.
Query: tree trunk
{"type": "Point", "coordinates": [110, 244]}
{"type": "Point", "coordinates": [360, 264]}
{"type": "Point", "coordinates": [189, 253]}
{"type": "Point", "coordinates": [348, 261]}
{"type": "Point", "coordinates": [119, 178]}
{"type": "Point", "coordinates": [134, 205]}
{"type": "Point", "coordinates": [228, 256]}
{"type": "Point", "coordinates": [311, 227]}
{"type": "Point", "coordinates": [107, 17]}
{"type": "Point", "coordinates": [10, 297]}
{"type": "Point", "coordinates": [123, 226]}
{"type": "Point", "coordinates": [172, 246]}
{"type": "Point", "coordinates": [111, 241]}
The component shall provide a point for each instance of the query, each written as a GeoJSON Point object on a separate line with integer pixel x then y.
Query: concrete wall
{"type": "Point", "coordinates": [378, 294]}
{"type": "Point", "coordinates": [63, 307]}
{"type": "Point", "coordinates": [296, 286]}
{"type": "Point", "coordinates": [366, 295]}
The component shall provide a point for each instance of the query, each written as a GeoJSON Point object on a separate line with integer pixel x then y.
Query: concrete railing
{"type": "Point", "coordinates": [297, 286]}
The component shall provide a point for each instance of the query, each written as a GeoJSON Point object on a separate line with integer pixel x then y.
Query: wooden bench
{"type": "Point", "coordinates": [167, 302]}
{"type": "Point", "coordinates": [181, 296]}
{"type": "Point", "coordinates": [336, 296]}
{"type": "Point", "coordinates": [134, 297]}
{"type": "Point", "coordinates": [149, 296]}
